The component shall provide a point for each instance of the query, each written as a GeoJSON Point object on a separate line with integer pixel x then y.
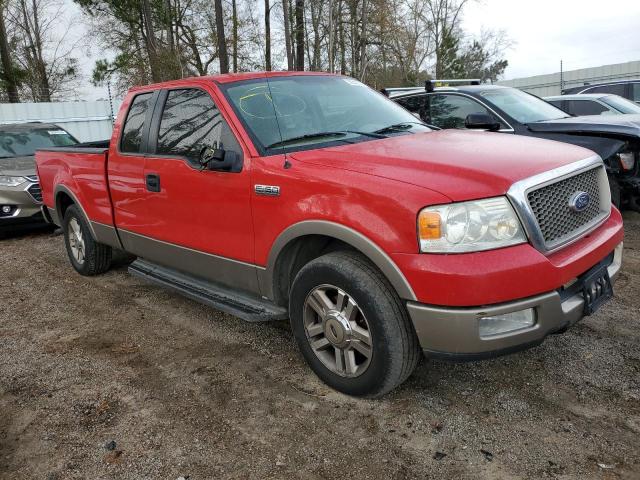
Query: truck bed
{"type": "Point", "coordinates": [80, 172]}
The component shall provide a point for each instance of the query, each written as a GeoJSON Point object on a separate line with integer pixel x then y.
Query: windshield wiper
{"type": "Point", "coordinates": [398, 127]}
{"type": "Point", "coordinates": [340, 133]}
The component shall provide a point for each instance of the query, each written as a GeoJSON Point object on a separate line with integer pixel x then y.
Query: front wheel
{"type": "Point", "coordinates": [350, 325]}
{"type": "Point", "coordinates": [87, 256]}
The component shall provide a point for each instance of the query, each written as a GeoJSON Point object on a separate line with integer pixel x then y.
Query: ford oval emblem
{"type": "Point", "coordinates": [579, 201]}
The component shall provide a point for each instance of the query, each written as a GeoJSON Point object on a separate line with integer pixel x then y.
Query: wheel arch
{"type": "Point", "coordinates": [304, 241]}
{"type": "Point", "coordinates": [64, 198]}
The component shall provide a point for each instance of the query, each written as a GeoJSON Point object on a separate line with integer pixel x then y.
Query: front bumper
{"type": "Point", "coordinates": [454, 333]}
{"type": "Point", "coordinates": [24, 202]}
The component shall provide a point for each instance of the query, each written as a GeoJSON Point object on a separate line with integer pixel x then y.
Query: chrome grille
{"type": "Point", "coordinates": [32, 178]}
{"type": "Point", "coordinates": [550, 206]}
{"type": "Point", "coordinates": [35, 192]}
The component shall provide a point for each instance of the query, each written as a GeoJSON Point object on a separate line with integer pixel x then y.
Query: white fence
{"type": "Point", "coordinates": [87, 121]}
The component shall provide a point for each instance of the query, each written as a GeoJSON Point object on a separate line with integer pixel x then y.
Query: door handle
{"type": "Point", "coordinates": [153, 182]}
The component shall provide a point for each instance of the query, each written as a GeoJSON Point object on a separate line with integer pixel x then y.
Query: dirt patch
{"type": "Point", "coordinates": [109, 377]}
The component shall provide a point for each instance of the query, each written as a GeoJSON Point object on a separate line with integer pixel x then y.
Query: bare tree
{"type": "Point", "coordinates": [44, 54]}
{"type": "Point", "coordinates": [267, 36]}
{"type": "Point", "coordinates": [234, 32]}
{"type": "Point", "coordinates": [443, 17]}
{"type": "Point", "coordinates": [7, 75]}
{"type": "Point", "coordinates": [222, 41]}
{"type": "Point", "coordinates": [299, 35]}
{"type": "Point", "coordinates": [287, 33]}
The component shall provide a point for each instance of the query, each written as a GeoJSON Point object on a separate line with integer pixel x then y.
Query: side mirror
{"type": "Point", "coordinates": [216, 158]}
{"type": "Point", "coordinates": [481, 121]}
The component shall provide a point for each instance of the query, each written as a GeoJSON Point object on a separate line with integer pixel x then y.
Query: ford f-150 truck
{"type": "Point", "coordinates": [314, 198]}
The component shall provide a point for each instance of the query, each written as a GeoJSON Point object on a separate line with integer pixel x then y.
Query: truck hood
{"type": "Point", "coordinates": [616, 126]}
{"type": "Point", "coordinates": [461, 165]}
{"type": "Point", "coordinates": [18, 166]}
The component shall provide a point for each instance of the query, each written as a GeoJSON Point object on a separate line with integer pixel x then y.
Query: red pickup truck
{"type": "Point", "coordinates": [314, 198]}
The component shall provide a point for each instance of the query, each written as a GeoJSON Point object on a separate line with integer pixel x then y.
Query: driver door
{"type": "Point", "coordinates": [198, 220]}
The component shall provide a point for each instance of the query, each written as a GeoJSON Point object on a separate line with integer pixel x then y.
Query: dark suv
{"type": "Point", "coordinates": [629, 89]}
{"type": "Point", "coordinates": [466, 104]}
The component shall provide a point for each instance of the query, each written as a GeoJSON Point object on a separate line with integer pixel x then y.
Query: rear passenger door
{"type": "Point", "coordinates": [126, 163]}
{"type": "Point", "coordinates": [199, 220]}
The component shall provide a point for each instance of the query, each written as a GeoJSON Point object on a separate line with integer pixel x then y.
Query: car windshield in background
{"type": "Point", "coordinates": [621, 104]}
{"type": "Point", "coordinates": [18, 143]}
{"type": "Point", "coordinates": [316, 111]}
{"type": "Point", "coordinates": [521, 106]}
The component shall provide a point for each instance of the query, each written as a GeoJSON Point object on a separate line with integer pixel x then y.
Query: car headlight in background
{"type": "Point", "coordinates": [469, 226]}
{"type": "Point", "coordinates": [8, 181]}
{"type": "Point", "coordinates": [627, 160]}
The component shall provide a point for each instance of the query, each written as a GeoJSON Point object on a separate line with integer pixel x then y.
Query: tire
{"type": "Point", "coordinates": [347, 279]}
{"type": "Point", "coordinates": [95, 258]}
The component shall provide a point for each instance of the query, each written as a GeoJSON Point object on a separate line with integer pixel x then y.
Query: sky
{"type": "Point", "coordinates": [581, 33]}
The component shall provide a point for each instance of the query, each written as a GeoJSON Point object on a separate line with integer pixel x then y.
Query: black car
{"type": "Point", "coordinates": [503, 109]}
{"type": "Point", "coordinates": [629, 89]}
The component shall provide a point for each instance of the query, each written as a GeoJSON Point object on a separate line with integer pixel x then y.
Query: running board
{"type": "Point", "coordinates": [234, 302]}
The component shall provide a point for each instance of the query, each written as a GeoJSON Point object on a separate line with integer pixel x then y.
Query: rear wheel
{"type": "Point", "coordinates": [87, 256]}
{"type": "Point", "coordinates": [350, 325]}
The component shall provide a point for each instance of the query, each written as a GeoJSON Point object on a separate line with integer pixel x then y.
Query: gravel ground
{"type": "Point", "coordinates": [109, 377]}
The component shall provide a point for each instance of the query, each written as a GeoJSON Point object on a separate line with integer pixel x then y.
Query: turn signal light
{"type": "Point", "coordinates": [429, 225]}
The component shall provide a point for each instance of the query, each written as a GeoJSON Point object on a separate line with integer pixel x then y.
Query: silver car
{"type": "Point", "coordinates": [20, 196]}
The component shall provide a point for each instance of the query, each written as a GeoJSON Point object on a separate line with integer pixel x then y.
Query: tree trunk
{"type": "Point", "coordinates": [343, 55]}
{"type": "Point", "coordinates": [267, 36]}
{"type": "Point", "coordinates": [234, 18]}
{"type": "Point", "coordinates": [287, 34]}
{"type": "Point", "coordinates": [5, 58]}
{"type": "Point", "coordinates": [363, 41]}
{"type": "Point", "coordinates": [222, 41]}
{"type": "Point", "coordinates": [150, 42]}
{"type": "Point", "coordinates": [300, 35]}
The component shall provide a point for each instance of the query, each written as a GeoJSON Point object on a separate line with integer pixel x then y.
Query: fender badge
{"type": "Point", "coordinates": [269, 190]}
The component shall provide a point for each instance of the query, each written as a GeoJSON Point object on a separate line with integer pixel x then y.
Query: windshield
{"type": "Point", "coordinates": [19, 143]}
{"type": "Point", "coordinates": [315, 111]}
{"type": "Point", "coordinates": [521, 106]}
{"type": "Point", "coordinates": [621, 104]}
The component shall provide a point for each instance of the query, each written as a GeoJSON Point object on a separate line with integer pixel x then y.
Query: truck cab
{"type": "Point", "coordinates": [314, 198]}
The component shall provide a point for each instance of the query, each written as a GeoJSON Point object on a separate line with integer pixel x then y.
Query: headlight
{"type": "Point", "coordinates": [469, 226]}
{"type": "Point", "coordinates": [627, 160]}
{"type": "Point", "coordinates": [7, 181]}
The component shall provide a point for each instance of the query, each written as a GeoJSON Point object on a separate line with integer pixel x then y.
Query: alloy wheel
{"type": "Point", "coordinates": [337, 331]}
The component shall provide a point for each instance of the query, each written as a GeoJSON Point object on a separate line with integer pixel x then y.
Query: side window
{"type": "Point", "coordinates": [635, 92]}
{"type": "Point", "coordinates": [585, 107]}
{"type": "Point", "coordinates": [618, 89]}
{"type": "Point", "coordinates": [557, 103]}
{"type": "Point", "coordinates": [131, 139]}
{"type": "Point", "coordinates": [450, 111]}
{"type": "Point", "coordinates": [414, 104]}
{"type": "Point", "coordinates": [190, 122]}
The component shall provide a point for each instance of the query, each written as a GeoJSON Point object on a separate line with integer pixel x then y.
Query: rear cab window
{"type": "Point", "coordinates": [132, 132]}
